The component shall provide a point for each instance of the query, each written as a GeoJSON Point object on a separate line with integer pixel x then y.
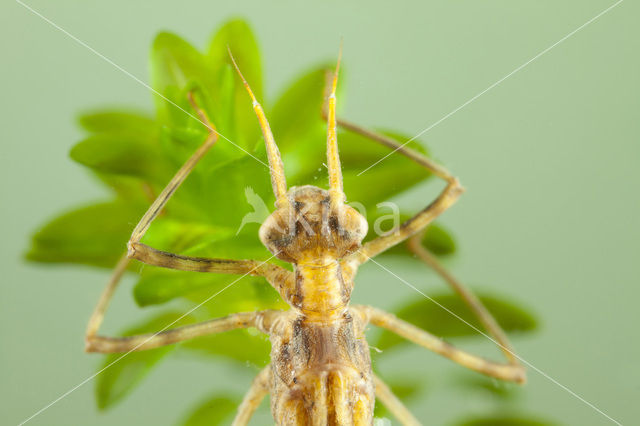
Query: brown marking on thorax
{"type": "Point", "coordinates": [312, 235]}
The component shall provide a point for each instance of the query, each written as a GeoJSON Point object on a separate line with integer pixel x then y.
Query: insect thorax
{"type": "Point", "coordinates": [315, 235]}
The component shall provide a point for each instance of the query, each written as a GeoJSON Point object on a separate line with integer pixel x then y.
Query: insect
{"type": "Point", "coordinates": [320, 371]}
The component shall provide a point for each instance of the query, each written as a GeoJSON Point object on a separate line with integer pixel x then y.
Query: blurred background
{"type": "Point", "coordinates": [549, 158]}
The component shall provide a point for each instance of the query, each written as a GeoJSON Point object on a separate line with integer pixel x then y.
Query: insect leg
{"type": "Point", "coordinates": [470, 299]}
{"type": "Point", "coordinates": [397, 408]}
{"type": "Point", "coordinates": [415, 241]}
{"type": "Point", "coordinates": [251, 401]}
{"type": "Point", "coordinates": [96, 343]}
{"type": "Point", "coordinates": [275, 275]}
{"type": "Point", "coordinates": [136, 250]}
{"type": "Point", "coordinates": [507, 372]}
{"type": "Point", "coordinates": [103, 303]}
{"type": "Point", "coordinates": [175, 182]}
{"type": "Point", "coordinates": [447, 197]}
{"type": "Point", "coordinates": [141, 342]}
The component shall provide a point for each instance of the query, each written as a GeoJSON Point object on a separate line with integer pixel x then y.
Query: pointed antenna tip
{"type": "Point", "coordinates": [233, 59]}
{"type": "Point", "coordinates": [333, 159]}
{"type": "Point", "coordinates": [335, 73]}
{"type": "Point", "coordinates": [244, 81]}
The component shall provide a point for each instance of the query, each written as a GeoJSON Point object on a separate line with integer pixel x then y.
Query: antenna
{"type": "Point", "coordinates": [275, 161]}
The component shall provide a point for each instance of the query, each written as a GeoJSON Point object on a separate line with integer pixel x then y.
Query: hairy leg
{"type": "Point", "coordinates": [136, 250]}
{"type": "Point", "coordinates": [447, 197]}
{"type": "Point", "coordinates": [397, 408]}
{"type": "Point", "coordinates": [95, 343]}
{"type": "Point", "coordinates": [507, 372]}
{"type": "Point", "coordinates": [251, 401]}
{"type": "Point", "coordinates": [476, 306]}
{"type": "Point", "coordinates": [142, 342]}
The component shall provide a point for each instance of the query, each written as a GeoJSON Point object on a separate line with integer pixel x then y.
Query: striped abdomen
{"type": "Point", "coordinates": [321, 372]}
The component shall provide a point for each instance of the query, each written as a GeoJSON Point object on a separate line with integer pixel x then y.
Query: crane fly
{"type": "Point", "coordinates": [320, 370]}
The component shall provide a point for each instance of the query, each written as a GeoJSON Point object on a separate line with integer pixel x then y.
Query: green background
{"type": "Point", "coordinates": [549, 157]}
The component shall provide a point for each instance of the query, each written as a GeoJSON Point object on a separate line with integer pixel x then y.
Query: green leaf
{"type": "Point", "coordinates": [177, 69]}
{"type": "Point", "coordinates": [297, 114]}
{"type": "Point", "coordinates": [244, 346]}
{"type": "Point", "coordinates": [498, 388]}
{"type": "Point", "coordinates": [436, 239]}
{"type": "Point", "coordinates": [125, 374]}
{"type": "Point", "coordinates": [236, 36]}
{"type": "Point", "coordinates": [120, 373]}
{"type": "Point", "coordinates": [120, 122]}
{"type": "Point", "coordinates": [124, 143]}
{"type": "Point", "coordinates": [430, 316]}
{"type": "Point", "coordinates": [160, 286]}
{"type": "Point", "coordinates": [174, 65]}
{"type": "Point", "coordinates": [177, 236]}
{"type": "Point", "coordinates": [126, 188]}
{"type": "Point", "coordinates": [215, 410]}
{"type": "Point", "coordinates": [358, 152]}
{"type": "Point", "coordinates": [122, 155]}
{"type": "Point", "coordinates": [250, 294]}
{"type": "Point", "coordinates": [228, 202]}
{"type": "Point", "coordinates": [391, 176]}
{"type": "Point", "coordinates": [93, 235]}
{"type": "Point", "coordinates": [504, 420]}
